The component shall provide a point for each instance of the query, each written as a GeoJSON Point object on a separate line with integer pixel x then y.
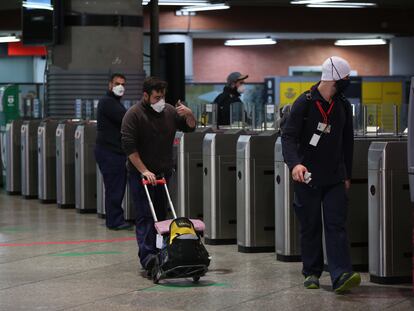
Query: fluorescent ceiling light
{"type": "Point", "coordinates": [360, 42]}
{"type": "Point", "coordinates": [37, 5]}
{"type": "Point", "coordinates": [242, 42]}
{"type": "Point", "coordinates": [313, 1]}
{"type": "Point", "coordinates": [333, 4]}
{"type": "Point", "coordinates": [197, 8]}
{"type": "Point", "coordinates": [9, 39]}
{"type": "Point", "coordinates": [179, 3]}
{"type": "Point", "coordinates": [348, 5]}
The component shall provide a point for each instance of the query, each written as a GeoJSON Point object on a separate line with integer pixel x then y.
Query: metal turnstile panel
{"type": "Point", "coordinates": [46, 146]}
{"type": "Point", "coordinates": [190, 173]}
{"type": "Point", "coordinates": [65, 164]}
{"type": "Point", "coordinates": [255, 192]}
{"type": "Point", "coordinates": [12, 157]}
{"type": "Point", "coordinates": [29, 165]}
{"type": "Point", "coordinates": [85, 168]}
{"type": "Point", "coordinates": [219, 187]}
{"type": "Point", "coordinates": [389, 212]}
{"type": "Point", "coordinates": [410, 148]}
{"type": "Point", "coordinates": [287, 234]}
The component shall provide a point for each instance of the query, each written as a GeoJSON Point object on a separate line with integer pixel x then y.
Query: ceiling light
{"type": "Point", "coordinates": [9, 39]}
{"type": "Point", "coordinates": [360, 42]}
{"type": "Point", "coordinates": [197, 8]}
{"type": "Point", "coordinates": [37, 5]}
{"type": "Point", "coordinates": [341, 5]}
{"type": "Point", "coordinates": [243, 42]}
{"type": "Point", "coordinates": [312, 1]}
{"type": "Point", "coordinates": [178, 3]}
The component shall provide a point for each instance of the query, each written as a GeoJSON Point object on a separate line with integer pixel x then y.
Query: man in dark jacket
{"type": "Point", "coordinates": [148, 132]}
{"type": "Point", "coordinates": [109, 154]}
{"type": "Point", "coordinates": [230, 95]}
{"type": "Point", "coordinates": [317, 143]}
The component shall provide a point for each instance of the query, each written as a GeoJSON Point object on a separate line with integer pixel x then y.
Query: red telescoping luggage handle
{"type": "Point", "coordinates": [161, 181]}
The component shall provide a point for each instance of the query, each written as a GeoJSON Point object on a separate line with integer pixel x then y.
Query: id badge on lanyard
{"type": "Point", "coordinates": [323, 127]}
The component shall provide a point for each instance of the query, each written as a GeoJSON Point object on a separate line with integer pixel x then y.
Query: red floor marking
{"type": "Point", "coordinates": [68, 242]}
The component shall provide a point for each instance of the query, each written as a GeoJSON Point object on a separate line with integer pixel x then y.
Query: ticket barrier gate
{"type": "Point", "coordinates": [219, 187]}
{"type": "Point", "coordinates": [65, 163]}
{"type": "Point", "coordinates": [85, 168]}
{"type": "Point", "coordinates": [12, 157]}
{"type": "Point", "coordinates": [46, 159]}
{"type": "Point", "coordinates": [389, 213]}
{"type": "Point", "coordinates": [287, 234]}
{"type": "Point", "coordinates": [190, 173]}
{"type": "Point", "coordinates": [255, 192]}
{"type": "Point", "coordinates": [29, 163]}
{"type": "Point", "coordinates": [127, 203]}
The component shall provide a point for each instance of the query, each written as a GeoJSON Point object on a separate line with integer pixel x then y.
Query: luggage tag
{"type": "Point", "coordinates": [315, 140]}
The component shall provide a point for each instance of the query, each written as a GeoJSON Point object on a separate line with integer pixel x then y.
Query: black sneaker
{"type": "Point", "coordinates": [124, 226]}
{"type": "Point", "coordinates": [346, 282]}
{"type": "Point", "coordinates": [311, 282]}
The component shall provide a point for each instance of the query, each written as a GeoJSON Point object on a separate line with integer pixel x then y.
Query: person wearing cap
{"type": "Point", "coordinates": [317, 145]}
{"type": "Point", "coordinates": [231, 94]}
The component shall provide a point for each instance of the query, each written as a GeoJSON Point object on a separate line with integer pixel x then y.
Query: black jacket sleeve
{"type": "Point", "coordinates": [348, 140]}
{"type": "Point", "coordinates": [129, 130]}
{"type": "Point", "coordinates": [292, 131]}
{"type": "Point", "coordinates": [112, 111]}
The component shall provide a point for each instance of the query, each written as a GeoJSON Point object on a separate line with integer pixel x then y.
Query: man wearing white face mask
{"type": "Point", "coordinates": [317, 142]}
{"type": "Point", "coordinates": [109, 154]}
{"type": "Point", "coordinates": [148, 131]}
{"type": "Point", "coordinates": [230, 95]}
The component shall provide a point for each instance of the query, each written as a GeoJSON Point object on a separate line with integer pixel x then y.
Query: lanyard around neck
{"type": "Point", "coordinates": [325, 115]}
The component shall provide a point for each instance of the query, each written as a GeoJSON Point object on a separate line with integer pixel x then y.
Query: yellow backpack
{"type": "Point", "coordinates": [182, 226]}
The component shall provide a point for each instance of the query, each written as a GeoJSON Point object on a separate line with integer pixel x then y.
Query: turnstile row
{"type": "Point", "coordinates": [254, 230]}
{"type": "Point", "coordinates": [49, 161]}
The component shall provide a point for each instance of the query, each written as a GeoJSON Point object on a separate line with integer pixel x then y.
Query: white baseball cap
{"type": "Point", "coordinates": [335, 68]}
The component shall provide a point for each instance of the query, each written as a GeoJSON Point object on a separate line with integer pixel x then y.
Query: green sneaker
{"type": "Point", "coordinates": [311, 282]}
{"type": "Point", "coordinates": [346, 282]}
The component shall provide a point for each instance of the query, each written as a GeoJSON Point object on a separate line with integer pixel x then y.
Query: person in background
{"type": "Point", "coordinates": [109, 155]}
{"type": "Point", "coordinates": [148, 131]}
{"type": "Point", "coordinates": [231, 94]}
{"type": "Point", "coordinates": [317, 145]}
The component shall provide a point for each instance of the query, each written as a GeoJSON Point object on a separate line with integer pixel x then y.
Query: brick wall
{"type": "Point", "coordinates": [213, 61]}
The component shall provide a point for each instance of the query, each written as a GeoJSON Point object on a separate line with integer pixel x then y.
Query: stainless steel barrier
{"type": "Point", "coordinates": [65, 163]}
{"type": "Point", "coordinates": [389, 214]}
{"type": "Point", "coordinates": [190, 173]}
{"type": "Point", "coordinates": [85, 168]}
{"type": "Point", "coordinates": [12, 153]}
{"type": "Point", "coordinates": [219, 187]}
{"type": "Point", "coordinates": [46, 160]}
{"type": "Point", "coordinates": [287, 234]}
{"type": "Point", "coordinates": [29, 159]}
{"type": "Point", "coordinates": [255, 192]}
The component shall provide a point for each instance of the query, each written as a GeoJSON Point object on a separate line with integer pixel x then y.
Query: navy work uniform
{"type": "Point", "coordinates": [319, 135]}
{"type": "Point", "coordinates": [111, 158]}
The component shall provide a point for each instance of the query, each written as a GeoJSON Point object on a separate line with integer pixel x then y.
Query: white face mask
{"type": "Point", "coordinates": [159, 105]}
{"type": "Point", "coordinates": [241, 89]}
{"type": "Point", "coordinates": [118, 90]}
